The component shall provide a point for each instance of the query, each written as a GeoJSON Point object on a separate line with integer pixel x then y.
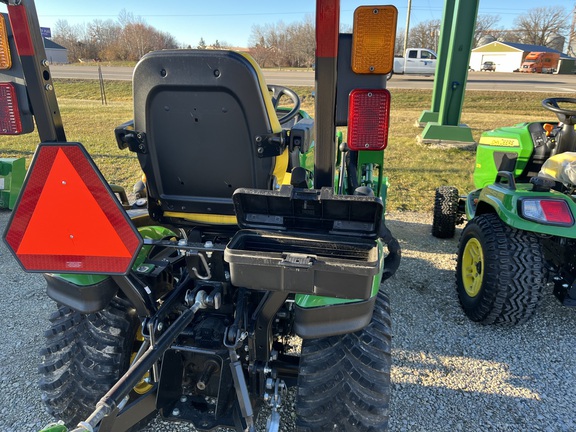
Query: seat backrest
{"type": "Point", "coordinates": [202, 115]}
{"type": "Point", "coordinates": [540, 153]}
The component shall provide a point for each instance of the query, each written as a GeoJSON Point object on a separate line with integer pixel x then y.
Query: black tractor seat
{"type": "Point", "coordinates": [204, 125]}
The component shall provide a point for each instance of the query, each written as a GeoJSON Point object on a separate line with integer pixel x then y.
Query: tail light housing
{"type": "Point", "coordinates": [368, 119]}
{"type": "Point", "coordinates": [15, 114]}
{"type": "Point", "coordinates": [547, 211]}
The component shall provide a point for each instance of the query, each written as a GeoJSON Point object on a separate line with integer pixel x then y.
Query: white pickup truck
{"type": "Point", "coordinates": [420, 61]}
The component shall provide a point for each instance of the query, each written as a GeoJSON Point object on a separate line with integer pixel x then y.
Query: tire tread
{"type": "Point", "coordinates": [83, 357]}
{"type": "Point", "coordinates": [514, 273]}
{"type": "Point", "coordinates": [344, 381]}
{"type": "Point", "coordinates": [445, 216]}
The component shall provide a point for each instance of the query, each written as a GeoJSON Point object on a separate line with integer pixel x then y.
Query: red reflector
{"type": "Point", "coordinates": [10, 122]}
{"type": "Point", "coordinates": [327, 21]}
{"type": "Point", "coordinates": [368, 119]}
{"type": "Point", "coordinates": [67, 219]}
{"type": "Point", "coordinates": [21, 30]}
{"type": "Point", "coordinates": [556, 211]}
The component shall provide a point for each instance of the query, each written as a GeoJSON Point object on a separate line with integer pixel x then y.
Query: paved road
{"type": "Point", "coordinates": [498, 81]}
{"type": "Point", "coordinates": [287, 78]}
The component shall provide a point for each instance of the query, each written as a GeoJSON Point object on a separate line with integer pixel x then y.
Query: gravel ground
{"type": "Point", "coordinates": [448, 373]}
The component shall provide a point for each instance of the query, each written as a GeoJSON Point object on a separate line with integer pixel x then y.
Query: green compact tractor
{"type": "Point", "coordinates": [252, 260]}
{"type": "Point", "coordinates": [520, 234]}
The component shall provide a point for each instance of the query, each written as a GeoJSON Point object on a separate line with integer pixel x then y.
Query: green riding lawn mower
{"type": "Point", "coordinates": [253, 259]}
{"type": "Point", "coordinates": [520, 235]}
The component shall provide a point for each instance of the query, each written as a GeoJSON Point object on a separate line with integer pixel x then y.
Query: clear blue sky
{"type": "Point", "coordinates": [232, 20]}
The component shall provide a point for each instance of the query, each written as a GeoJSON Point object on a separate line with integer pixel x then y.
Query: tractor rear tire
{"type": "Point", "coordinates": [83, 358]}
{"type": "Point", "coordinates": [344, 381]}
{"type": "Point", "coordinates": [445, 215]}
{"type": "Point", "coordinates": [500, 272]}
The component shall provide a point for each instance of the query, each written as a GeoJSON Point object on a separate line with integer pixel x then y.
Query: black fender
{"type": "Point", "coordinates": [83, 298]}
{"type": "Point", "coordinates": [332, 320]}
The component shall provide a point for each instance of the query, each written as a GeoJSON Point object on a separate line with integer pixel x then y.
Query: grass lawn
{"type": "Point", "coordinates": [414, 170]}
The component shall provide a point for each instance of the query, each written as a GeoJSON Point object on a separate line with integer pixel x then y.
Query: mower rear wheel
{"type": "Point", "coordinates": [84, 356]}
{"type": "Point", "coordinates": [344, 381]}
{"type": "Point", "coordinates": [500, 272]}
{"type": "Point", "coordinates": [445, 212]}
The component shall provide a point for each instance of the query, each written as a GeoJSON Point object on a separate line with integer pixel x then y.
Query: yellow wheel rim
{"type": "Point", "coordinates": [472, 267]}
{"type": "Point", "coordinates": [143, 385]}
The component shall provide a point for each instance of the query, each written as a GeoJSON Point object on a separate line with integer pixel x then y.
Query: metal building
{"type": "Point", "coordinates": [55, 53]}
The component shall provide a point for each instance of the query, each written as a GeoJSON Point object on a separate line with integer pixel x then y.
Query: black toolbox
{"type": "Point", "coordinates": [306, 242]}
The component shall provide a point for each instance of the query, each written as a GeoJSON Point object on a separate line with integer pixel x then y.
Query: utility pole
{"type": "Point", "coordinates": [407, 26]}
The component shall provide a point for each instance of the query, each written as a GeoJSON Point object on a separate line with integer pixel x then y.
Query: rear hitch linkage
{"type": "Point", "coordinates": [112, 401]}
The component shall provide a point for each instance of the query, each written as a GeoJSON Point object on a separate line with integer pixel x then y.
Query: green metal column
{"type": "Point", "coordinates": [447, 129]}
{"type": "Point", "coordinates": [445, 32]}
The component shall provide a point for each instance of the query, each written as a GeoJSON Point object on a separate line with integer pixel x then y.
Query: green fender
{"type": "Point", "coordinates": [505, 202]}
{"type": "Point", "coordinates": [55, 427]}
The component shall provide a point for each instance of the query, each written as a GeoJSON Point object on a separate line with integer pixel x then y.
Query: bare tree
{"type": "Point", "coordinates": [70, 37]}
{"type": "Point", "coordinates": [101, 35]}
{"type": "Point", "coordinates": [269, 44]}
{"type": "Point", "coordinates": [127, 39]}
{"type": "Point", "coordinates": [537, 25]}
{"type": "Point", "coordinates": [485, 26]}
{"type": "Point", "coordinates": [571, 50]}
{"type": "Point", "coordinates": [426, 34]}
{"type": "Point", "coordinates": [138, 39]}
{"type": "Point", "coordinates": [346, 28]}
{"type": "Point", "coordinates": [399, 43]}
{"type": "Point", "coordinates": [218, 44]}
{"type": "Point", "coordinates": [261, 51]}
{"type": "Point", "coordinates": [284, 45]}
{"type": "Point", "coordinates": [201, 43]}
{"type": "Point", "coordinates": [508, 36]}
{"type": "Point", "coordinates": [302, 42]}
{"type": "Point", "coordinates": [125, 18]}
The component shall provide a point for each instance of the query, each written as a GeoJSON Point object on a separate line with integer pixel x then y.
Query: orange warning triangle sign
{"type": "Point", "coordinates": [67, 219]}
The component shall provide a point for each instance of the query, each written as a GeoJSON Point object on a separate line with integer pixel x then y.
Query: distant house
{"type": "Point", "coordinates": [509, 56]}
{"type": "Point", "coordinates": [55, 53]}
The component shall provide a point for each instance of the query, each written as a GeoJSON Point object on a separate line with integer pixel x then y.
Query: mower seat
{"type": "Point", "coordinates": [206, 126]}
{"type": "Point", "coordinates": [540, 153]}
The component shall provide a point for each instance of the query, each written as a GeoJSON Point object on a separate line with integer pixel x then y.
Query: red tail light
{"type": "Point", "coordinates": [10, 121]}
{"type": "Point", "coordinates": [368, 119]}
{"type": "Point", "coordinates": [556, 212]}
{"type": "Point", "coordinates": [547, 211]}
